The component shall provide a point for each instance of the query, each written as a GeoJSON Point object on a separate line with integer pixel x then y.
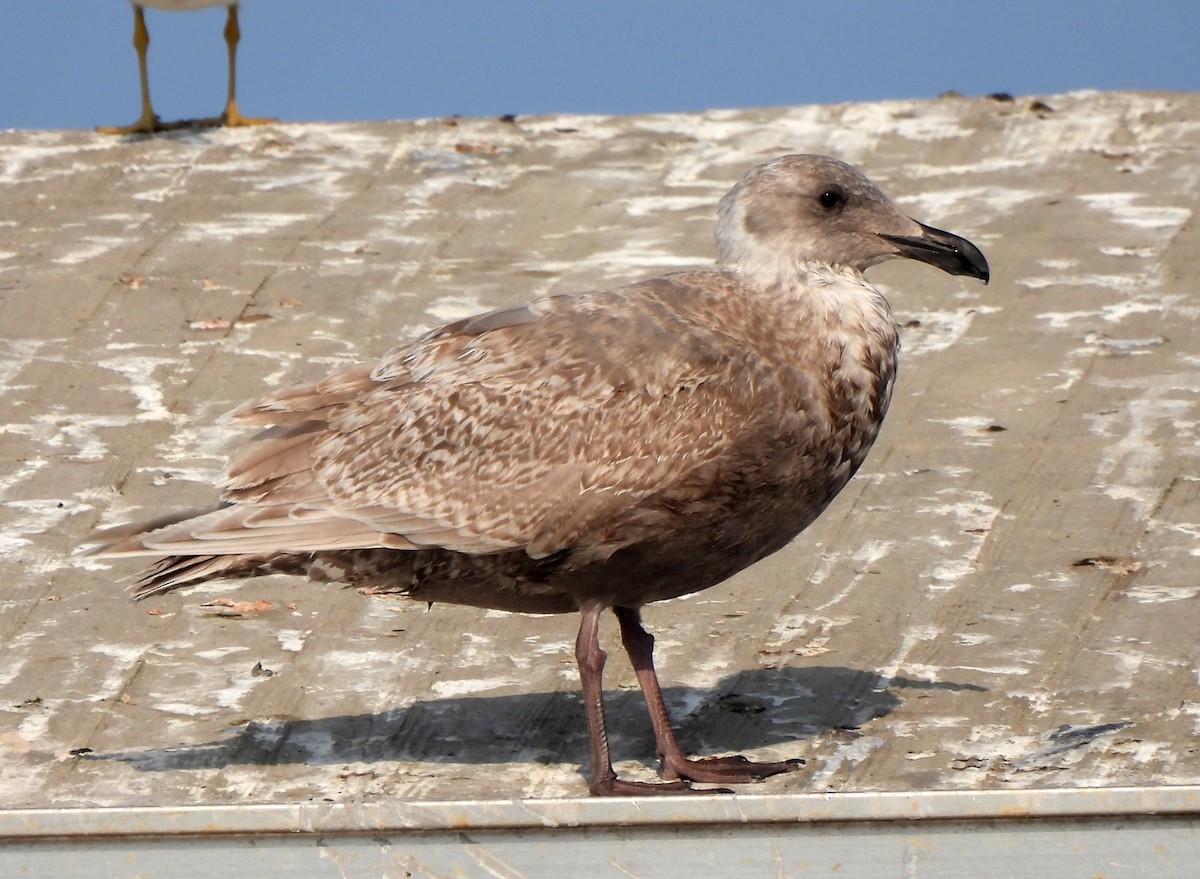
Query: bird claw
{"type": "Point", "coordinates": [616, 787]}
{"type": "Point", "coordinates": [152, 125]}
{"type": "Point", "coordinates": [734, 769]}
{"type": "Point", "coordinates": [234, 119]}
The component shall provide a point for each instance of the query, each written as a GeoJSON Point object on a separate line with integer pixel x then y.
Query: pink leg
{"type": "Point", "coordinates": [603, 780]}
{"type": "Point", "coordinates": [639, 644]}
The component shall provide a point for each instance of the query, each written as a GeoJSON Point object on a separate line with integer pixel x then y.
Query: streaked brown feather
{"type": "Point", "coordinates": [667, 433]}
{"type": "Point", "coordinates": [588, 452]}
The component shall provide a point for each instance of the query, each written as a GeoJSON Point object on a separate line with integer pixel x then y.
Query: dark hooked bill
{"type": "Point", "coordinates": [944, 250]}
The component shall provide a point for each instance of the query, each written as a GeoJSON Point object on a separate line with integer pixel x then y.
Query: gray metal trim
{"type": "Point", "coordinates": [666, 812]}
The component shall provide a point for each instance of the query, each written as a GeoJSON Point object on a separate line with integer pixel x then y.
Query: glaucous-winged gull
{"type": "Point", "coordinates": [591, 451]}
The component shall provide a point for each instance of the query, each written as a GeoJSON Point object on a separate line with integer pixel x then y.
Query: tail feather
{"type": "Point", "coordinates": [234, 529]}
{"type": "Point", "coordinates": [128, 539]}
{"type": "Point", "coordinates": [178, 571]}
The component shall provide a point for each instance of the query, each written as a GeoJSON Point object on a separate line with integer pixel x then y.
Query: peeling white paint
{"type": "Point", "coordinates": [470, 686]}
{"type": "Point", "coordinates": [1121, 206]}
{"type": "Point", "coordinates": [938, 330]}
{"type": "Point", "coordinates": [139, 372]}
{"type": "Point", "coordinates": [292, 640]}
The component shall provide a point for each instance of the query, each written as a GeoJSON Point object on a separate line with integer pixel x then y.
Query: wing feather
{"type": "Point", "coordinates": [536, 433]}
{"type": "Point", "coordinates": [530, 427]}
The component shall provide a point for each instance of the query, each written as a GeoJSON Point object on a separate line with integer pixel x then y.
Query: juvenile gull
{"type": "Point", "coordinates": [148, 122]}
{"type": "Point", "coordinates": [585, 452]}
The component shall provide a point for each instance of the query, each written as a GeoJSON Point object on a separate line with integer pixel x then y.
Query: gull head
{"type": "Point", "coordinates": [797, 214]}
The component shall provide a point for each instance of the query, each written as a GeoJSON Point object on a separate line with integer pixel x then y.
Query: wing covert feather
{"type": "Point", "coordinates": [533, 433]}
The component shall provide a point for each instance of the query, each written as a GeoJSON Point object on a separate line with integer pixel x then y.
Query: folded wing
{"type": "Point", "coordinates": [526, 428]}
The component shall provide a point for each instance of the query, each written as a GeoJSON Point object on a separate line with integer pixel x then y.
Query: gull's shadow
{"type": "Point", "coordinates": [744, 710]}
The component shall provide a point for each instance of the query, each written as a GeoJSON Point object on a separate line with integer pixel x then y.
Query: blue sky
{"type": "Point", "coordinates": [69, 63]}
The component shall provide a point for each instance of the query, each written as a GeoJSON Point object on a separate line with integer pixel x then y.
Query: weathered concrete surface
{"type": "Point", "coordinates": [1005, 597]}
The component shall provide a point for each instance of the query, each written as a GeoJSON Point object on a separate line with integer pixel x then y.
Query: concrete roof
{"type": "Point", "coordinates": [1005, 597]}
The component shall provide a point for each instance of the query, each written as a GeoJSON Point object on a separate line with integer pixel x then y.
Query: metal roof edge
{"type": "Point", "coordinates": [395, 816]}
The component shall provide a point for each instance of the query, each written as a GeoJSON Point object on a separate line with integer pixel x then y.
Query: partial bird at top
{"type": "Point", "coordinates": [148, 122]}
{"type": "Point", "coordinates": [591, 451]}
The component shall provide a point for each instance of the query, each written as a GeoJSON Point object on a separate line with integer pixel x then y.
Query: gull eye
{"type": "Point", "coordinates": [832, 198]}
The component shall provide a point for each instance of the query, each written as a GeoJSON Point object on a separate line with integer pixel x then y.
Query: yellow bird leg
{"type": "Point", "coordinates": [147, 122]}
{"type": "Point", "coordinates": [232, 116]}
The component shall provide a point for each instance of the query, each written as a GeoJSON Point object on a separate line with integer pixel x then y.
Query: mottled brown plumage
{"type": "Point", "coordinates": [584, 452]}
